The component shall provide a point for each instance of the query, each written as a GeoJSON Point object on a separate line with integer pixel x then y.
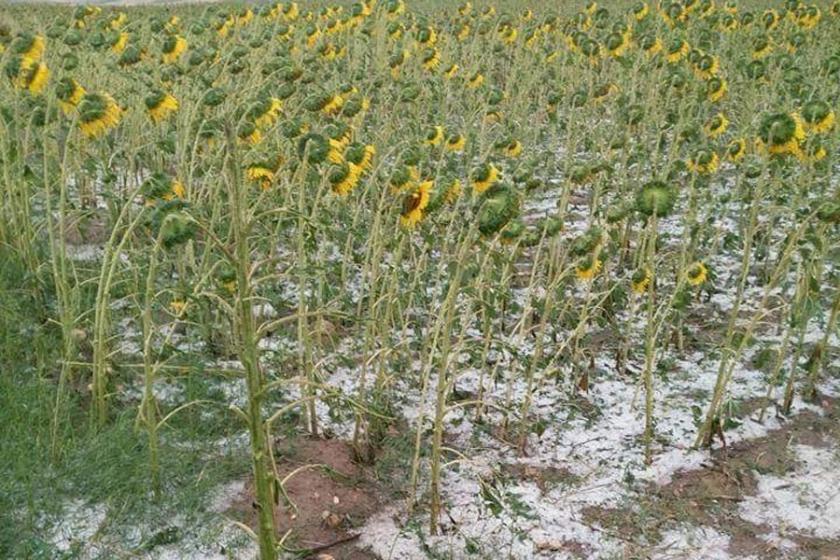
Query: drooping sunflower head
{"type": "Point", "coordinates": [344, 177]}
{"type": "Point", "coordinates": [655, 198]}
{"type": "Point", "coordinates": [813, 150]}
{"type": "Point", "coordinates": [704, 161]}
{"type": "Point", "coordinates": [69, 94]}
{"type": "Point", "coordinates": [415, 204]}
{"type": "Point", "coordinates": [173, 47]}
{"type": "Point", "coordinates": [817, 117]}
{"type": "Point", "coordinates": [498, 208]}
{"type": "Point", "coordinates": [706, 66]}
{"type": "Point", "coordinates": [430, 59]}
{"type": "Point", "coordinates": [716, 89]}
{"type": "Point", "coordinates": [696, 274]}
{"type": "Point", "coordinates": [249, 133]}
{"type": "Point", "coordinates": [761, 47]}
{"type": "Point", "coordinates": [640, 280]}
{"type": "Point", "coordinates": [640, 10]}
{"type": "Point", "coordinates": [98, 113]}
{"type": "Point", "coordinates": [587, 268]}
{"type": "Point", "coordinates": [651, 44]}
{"type": "Point", "coordinates": [781, 133]}
{"type": "Point", "coordinates": [160, 104]}
{"type": "Point", "coordinates": [484, 177]}
{"type": "Point", "coordinates": [678, 49]}
{"type": "Point", "coordinates": [589, 242]}
{"type": "Point", "coordinates": [435, 135]}
{"type": "Point", "coordinates": [475, 80]}
{"type": "Point", "coordinates": [716, 126]}
{"type": "Point", "coordinates": [617, 44]}
{"type": "Point", "coordinates": [28, 46]}
{"type": "Point", "coordinates": [265, 111]}
{"type": "Point", "coordinates": [736, 150]}
{"type": "Point", "coordinates": [161, 187]}
{"type": "Point", "coordinates": [456, 143]}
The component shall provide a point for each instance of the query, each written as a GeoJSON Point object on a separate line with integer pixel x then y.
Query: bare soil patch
{"type": "Point", "coordinates": [710, 496]}
{"type": "Point", "coordinates": [327, 497]}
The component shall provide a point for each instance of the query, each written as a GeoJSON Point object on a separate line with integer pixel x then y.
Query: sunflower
{"type": "Point", "coordinates": [812, 151]}
{"type": "Point", "coordinates": [705, 161]}
{"type": "Point", "coordinates": [465, 9]}
{"type": "Point", "coordinates": [332, 104]}
{"type": "Point", "coordinates": [728, 23]}
{"type": "Point", "coordinates": [771, 18]}
{"type": "Point", "coordinates": [463, 33]}
{"type": "Point", "coordinates": [640, 11]}
{"type": "Point", "coordinates": [265, 112]}
{"type": "Point", "coordinates": [651, 45]}
{"type": "Point", "coordinates": [336, 152]}
{"type": "Point", "coordinates": [161, 186]}
{"type": "Point", "coordinates": [249, 133]}
{"type": "Point", "coordinates": [716, 89]}
{"type": "Point", "coordinates": [810, 18]}
{"type": "Point", "coordinates": [29, 47]}
{"type": "Point", "coordinates": [414, 205]}
{"type": "Point", "coordinates": [160, 105]}
{"type": "Point", "coordinates": [118, 21]}
{"type": "Point", "coordinates": [456, 143]}
{"type": "Point", "coordinates": [178, 306]}
{"type": "Point", "coordinates": [173, 47]}
{"type": "Point", "coordinates": [361, 155]}
{"type": "Point", "coordinates": [513, 149]}
{"type": "Point", "coordinates": [431, 59]}
{"type": "Point", "coordinates": [291, 12]}
{"type": "Point", "coordinates": [588, 268]}
{"type": "Point", "coordinates": [29, 74]}
{"type": "Point", "coordinates": [678, 50]}
{"type": "Point", "coordinates": [707, 67]}
{"type": "Point", "coordinates": [475, 80]}
{"type": "Point", "coordinates": [617, 44]}
{"type": "Point", "coordinates": [736, 150]}
{"type": "Point", "coordinates": [781, 133]}
{"type": "Point", "coordinates": [260, 172]}
{"type": "Point", "coordinates": [817, 117]}
{"type": "Point", "coordinates": [344, 178]}
{"type": "Point", "coordinates": [120, 42]}
{"type": "Point", "coordinates": [69, 94]}
{"type": "Point", "coordinates": [696, 274]}
{"type": "Point", "coordinates": [762, 47]}
{"type": "Point", "coordinates": [453, 191]}
{"type": "Point", "coordinates": [435, 136]}
{"type": "Point", "coordinates": [450, 71]}
{"type": "Point", "coordinates": [508, 35]}
{"type": "Point", "coordinates": [98, 113]}
{"type": "Point", "coordinates": [716, 126]}
{"type": "Point", "coordinates": [641, 280]}
{"type": "Point", "coordinates": [484, 177]}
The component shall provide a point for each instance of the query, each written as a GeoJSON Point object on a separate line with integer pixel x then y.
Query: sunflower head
{"type": "Point", "coordinates": [497, 210]}
{"type": "Point", "coordinates": [415, 204]}
{"type": "Point", "coordinates": [736, 150]}
{"type": "Point", "coordinates": [483, 177]}
{"type": "Point", "coordinates": [817, 116]}
{"type": "Point", "coordinates": [696, 274]}
{"type": "Point", "coordinates": [781, 133]}
{"type": "Point", "coordinates": [641, 280]}
{"type": "Point", "coordinates": [704, 161]}
{"type": "Point", "coordinates": [655, 198]}
{"type": "Point", "coordinates": [315, 146]}
{"type": "Point", "coordinates": [716, 89]}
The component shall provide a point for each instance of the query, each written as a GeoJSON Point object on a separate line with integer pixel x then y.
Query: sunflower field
{"type": "Point", "coordinates": [398, 279]}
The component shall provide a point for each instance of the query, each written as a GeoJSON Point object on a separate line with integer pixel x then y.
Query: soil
{"type": "Point", "coordinates": [329, 496]}
{"type": "Point", "coordinates": [710, 496]}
